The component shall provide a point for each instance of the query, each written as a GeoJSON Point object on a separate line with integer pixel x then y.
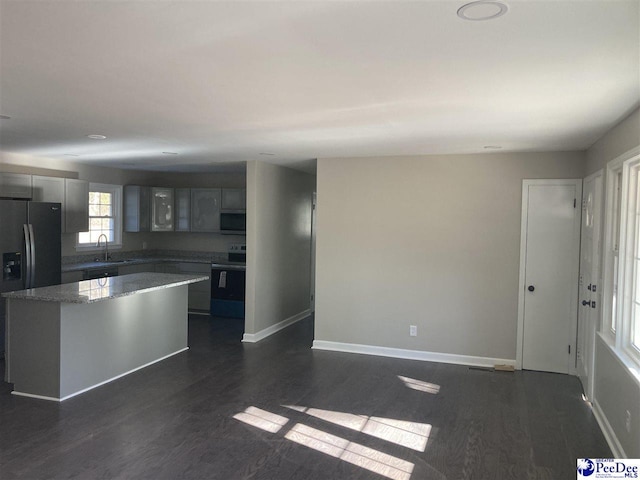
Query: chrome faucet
{"type": "Point", "coordinates": [106, 247]}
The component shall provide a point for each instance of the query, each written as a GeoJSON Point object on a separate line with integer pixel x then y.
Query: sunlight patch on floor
{"type": "Point", "coordinates": [407, 434]}
{"type": "Point", "coordinates": [262, 419]}
{"type": "Point", "coordinates": [420, 385]}
{"type": "Point", "coordinates": [354, 453]}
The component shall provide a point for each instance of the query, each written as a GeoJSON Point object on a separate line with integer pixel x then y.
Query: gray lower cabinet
{"type": "Point", "coordinates": [72, 277]}
{"type": "Point", "coordinates": [167, 268]}
{"type": "Point", "coordinates": [205, 209]}
{"type": "Point", "coordinates": [137, 208]}
{"type": "Point", "coordinates": [137, 268]}
{"type": "Point", "coordinates": [15, 185]}
{"type": "Point", "coordinates": [199, 293]}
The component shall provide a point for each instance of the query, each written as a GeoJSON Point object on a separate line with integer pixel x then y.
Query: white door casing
{"type": "Point", "coordinates": [313, 253]}
{"type": "Point", "coordinates": [590, 285]}
{"type": "Point", "coordinates": [549, 265]}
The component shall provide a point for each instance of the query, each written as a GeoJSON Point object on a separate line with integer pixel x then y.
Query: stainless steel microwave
{"type": "Point", "coordinates": [233, 222]}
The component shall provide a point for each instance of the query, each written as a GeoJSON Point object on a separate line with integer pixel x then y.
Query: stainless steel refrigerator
{"type": "Point", "coordinates": [30, 247]}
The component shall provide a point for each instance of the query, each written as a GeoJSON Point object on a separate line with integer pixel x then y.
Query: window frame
{"type": "Point", "coordinates": [622, 228]}
{"type": "Point", "coordinates": [612, 226]}
{"type": "Point", "coordinates": [116, 191]}
{"type": "Point", "coordinates": [626, 321]}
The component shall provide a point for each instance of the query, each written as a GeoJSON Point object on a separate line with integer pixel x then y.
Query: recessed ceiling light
{"type": "Point", "coordinates": [96, 137]}
{"type": "Point", "coordinates": [266, 153]}
{"type": "Point", "coordinates": [492, 147]}
{"type": "Point", "coordinates": [5, 117]}
{"type": "Point", "coordinates": [170, 153]}
{"type": "Point", "coordinates": [482, 10]}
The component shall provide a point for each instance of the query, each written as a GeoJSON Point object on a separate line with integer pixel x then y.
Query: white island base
{"type": "Point", "coordinates": [59, 349]}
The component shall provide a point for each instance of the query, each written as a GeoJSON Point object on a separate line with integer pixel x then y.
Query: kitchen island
{"type": "Point", "coordinates": [66, 339]}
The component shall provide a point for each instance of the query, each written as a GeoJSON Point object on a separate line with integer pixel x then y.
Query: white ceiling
{"type": "Point", "coordinates": [221, 82]}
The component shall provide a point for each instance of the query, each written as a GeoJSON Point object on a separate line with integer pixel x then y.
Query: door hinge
{"type": "Point", "coordinates": [569, 349]}
{"type": "Point", "coordinates": [574, 203]}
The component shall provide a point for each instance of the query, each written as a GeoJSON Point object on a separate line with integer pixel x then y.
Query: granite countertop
{"type": "Point", "coordinates": [89, 291]}
{"type": "Point", "coordinates": [72, 267]}
{"type": "Point", "coordinates": [85, 262]}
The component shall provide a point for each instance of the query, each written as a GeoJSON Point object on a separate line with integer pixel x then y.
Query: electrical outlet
{"type": "Point", "coordinates": [627, 421]}
{"type": "Point", "coordinates": [413, 330]}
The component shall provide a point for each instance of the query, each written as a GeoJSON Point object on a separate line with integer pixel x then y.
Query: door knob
{"type": "Point", "coordinates": [585, 303]}
{"type": "Point", "coordinates": [531, 288]}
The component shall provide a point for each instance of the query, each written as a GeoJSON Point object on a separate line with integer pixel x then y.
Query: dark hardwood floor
{"type": "Point", "coordinates": [278, 410]}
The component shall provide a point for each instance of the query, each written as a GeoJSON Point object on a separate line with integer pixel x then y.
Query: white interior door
{"type": "Point", "coordinates": [549, 275]}
{"type": "Point", "coordinates": [590, 284]}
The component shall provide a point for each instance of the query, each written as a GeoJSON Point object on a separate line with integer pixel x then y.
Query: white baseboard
{"type": "Point", "coordinates": [54, 399]}
{"type": "Point", "coordinates": [608, 432]}
{"type": "Point", "coordinates": [411, 354]}
{"type": "Point", "coordinates": [262, 334]}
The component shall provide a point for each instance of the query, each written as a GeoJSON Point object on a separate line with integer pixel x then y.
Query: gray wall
{"type": "Point", "coordinates": [133, 241]}
{"type": "Point", "coordinates": [615, 388]}
{"type": "Point", "coordinates": [620, 139]}
{"type": "Point", "coordinates": [431, 241]}
{"type": "Point", "coordinates": [278, 244]}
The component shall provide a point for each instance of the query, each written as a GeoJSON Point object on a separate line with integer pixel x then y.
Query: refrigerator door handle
{"type": "Point", "coordinates": [27, 247]}
{"type": "Point", "coordinates": [33, 256]}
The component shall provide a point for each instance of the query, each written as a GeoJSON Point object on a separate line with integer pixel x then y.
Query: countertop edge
{"type": "Point", "coordinates": [34, 295]}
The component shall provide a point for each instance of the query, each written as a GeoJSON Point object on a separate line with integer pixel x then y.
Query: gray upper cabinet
{"type": "Point", "coordinates": [205, 209]}
{"type": "Point", "coordinates": [137, 208]}
{"type": "Point", "coordinates": [162, 211]}
{"type": "Point", "coordinates": [183, 209]}
{"type": "Point", "coordinates": [15, 185]}
{"type": "Point", "coordinates": [234, 199]}
{"type": "Point", "coordinates": [72, 194]}
{"type": "Point", "coordinates": [76, 205]}
{"type": "Point", "coordinates": [49, 189]}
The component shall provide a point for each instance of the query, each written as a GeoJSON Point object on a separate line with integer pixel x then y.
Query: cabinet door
{"type": "Point", "coordinates": [139, 268]}
{"type": "Point", "coordinates": [71, 277]}
{"type": "Point", "coordinates": [76, 205]}
{"type": "Point", "coordinates": [183, 209]}
{"type": "Point", "coordinates": [49, 189]}
{"type": "Point", "coordinates": [162, 209]}
{"type": "Point", "coordinates": [137, 208]}
{"type": "Point", "coordinates": [205, 209]}
{"type": "Point", "coordinates": [234, 199]}
{"type": "Point", "coordinates": [200, 292]}
{"type": "Point", "coordinates": [15, 185]}
{"type": "Point", "coordinates": [167, 268]}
